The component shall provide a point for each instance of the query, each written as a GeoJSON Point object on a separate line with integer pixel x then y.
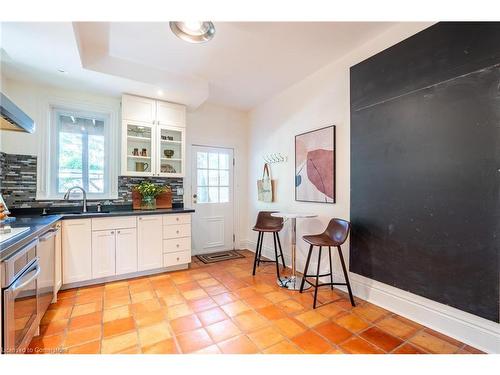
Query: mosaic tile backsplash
{"type": "Point", "coordinates": [18, 184]}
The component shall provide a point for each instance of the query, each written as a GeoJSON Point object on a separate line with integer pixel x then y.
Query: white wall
{"type": "Point", "coordinates": [215, 125]}
{"type": "Point", "coordinates": [319, 100]}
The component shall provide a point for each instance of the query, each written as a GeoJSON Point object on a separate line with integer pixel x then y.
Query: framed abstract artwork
{"type": "Point", "coordinates": [315, 166]}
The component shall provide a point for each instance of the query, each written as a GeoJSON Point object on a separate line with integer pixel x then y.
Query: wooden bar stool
{"type": "Point", "coordinates": [267, 223]}
{"type": "Point", "coordinates": [335, 235]}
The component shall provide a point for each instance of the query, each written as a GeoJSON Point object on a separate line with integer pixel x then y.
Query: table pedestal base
{"type": "Point", "coordinates": [292, 282]}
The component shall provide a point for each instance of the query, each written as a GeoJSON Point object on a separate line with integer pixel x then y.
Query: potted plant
{"type": "Point", "coordinates": [149, 192]}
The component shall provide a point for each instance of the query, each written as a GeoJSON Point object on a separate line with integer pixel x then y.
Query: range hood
{"type": "Point", "coordinates": [13, 118]}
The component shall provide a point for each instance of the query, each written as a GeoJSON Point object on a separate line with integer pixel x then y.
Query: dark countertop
{"type": "Point", "coordinates": [40, 223]}
{"type": "Point", "coordinates": [159, 211]}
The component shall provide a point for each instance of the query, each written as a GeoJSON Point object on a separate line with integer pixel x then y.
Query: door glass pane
{"type": "Point", "coordinates": [213, 177]}
{"type": "Point", "coordinates": [202, 160]}
{"type": "Point", "coordinates": [139, 146]}
{"type": "Point", "coordinates": [223, 194]}
{"type": "Point", "coordinates": [213, 194]}
{"type": "Point", "coordinates": [202, 194]}
{"type": "Point", "coordinates": [223, 161]}
{"type": "Point", "coordinates": [170, 150]}
{"type": "Point", "coordinates": [202, 177]}
{"type": "Point", "coordinates": [213, 160]}
{"type": "Point", "coordinates": [223, 178]}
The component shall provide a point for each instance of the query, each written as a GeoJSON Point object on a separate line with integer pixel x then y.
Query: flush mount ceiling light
{"type": "Point", "coordinates": [193, 31]}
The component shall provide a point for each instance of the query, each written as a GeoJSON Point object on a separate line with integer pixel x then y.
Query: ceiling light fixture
{"type": "Point", "coordinates": [160, 92]}
{"type": "Point", "coordinates": [193, 31]}
{"type": "Point", "coordinates": [62, 71]}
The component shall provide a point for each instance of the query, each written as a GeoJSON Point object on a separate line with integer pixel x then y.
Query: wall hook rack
{"type": "Point", "coordinates": [275, 158]}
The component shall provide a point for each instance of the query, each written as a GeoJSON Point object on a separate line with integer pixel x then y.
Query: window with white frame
{"type": "Point", "coordinates": [81, 155]}
{"type": "Point", "coordinates": [212, 177]}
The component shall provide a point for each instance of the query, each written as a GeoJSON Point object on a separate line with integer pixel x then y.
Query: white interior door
{"type": "Point", "coordinates": [212, 195]}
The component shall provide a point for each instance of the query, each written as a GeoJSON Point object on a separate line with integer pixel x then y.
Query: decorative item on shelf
{"type": "Point", "coordinates": [149, 192]}
{"type": "Point", "coordinates": [167, 168]}
{"type": "Point", "coordinates": [141, 167]}
{"type": "Point", "coordinates": [144, 152]}
{"type": "Point", "coordinates": [163, 137]}
{"type": "Point", "coordinates": [275, 158]}
{"type": "Point", "coordinates": [135, 152]}
{"type": "Point", "coordinates": [315, 166]}
{"type": "Point", "coordinates": [162, 199]}
{"type": "Point", "coordinates": [168, 153]}
{"type": "Point", "coordinates": [170, 138]}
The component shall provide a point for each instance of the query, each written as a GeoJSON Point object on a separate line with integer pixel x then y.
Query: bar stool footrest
{"type": "Point", "coordinates": [323, 284]}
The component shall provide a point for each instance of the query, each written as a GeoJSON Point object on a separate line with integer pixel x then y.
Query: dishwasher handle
{"type": "Point", "coordinates": [22, 281]}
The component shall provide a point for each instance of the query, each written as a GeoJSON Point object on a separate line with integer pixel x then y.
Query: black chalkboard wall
{"type": "Point", "coordinates": [425, 166]}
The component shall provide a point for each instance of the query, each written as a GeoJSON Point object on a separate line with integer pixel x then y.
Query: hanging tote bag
{"type": "Point", "coordinates": [265, 186]}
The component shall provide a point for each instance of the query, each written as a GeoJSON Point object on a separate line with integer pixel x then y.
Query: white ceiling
{"type": "Point", "coordinates": [245, 64]}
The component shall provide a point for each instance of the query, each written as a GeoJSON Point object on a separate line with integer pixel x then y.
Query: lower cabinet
{"type": "Point", "coordinates": [58, 281]}
{"type": "Point", "coordinates": [126, 251]}
{"type": "Point", "coordinates": [105, 247]}
{"type": "Point", "coordinates": [149, 242]}
{"type": "Point", "coordinates": [103, 253]}
{"type": "Point", "coordinates": [76, 250]}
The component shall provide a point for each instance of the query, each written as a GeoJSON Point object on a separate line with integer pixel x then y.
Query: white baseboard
{"type": "Point", "coordinates": [478, 332]}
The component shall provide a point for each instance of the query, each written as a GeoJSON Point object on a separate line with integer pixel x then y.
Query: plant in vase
{"type": "Point", "coordinates": [149, 192]}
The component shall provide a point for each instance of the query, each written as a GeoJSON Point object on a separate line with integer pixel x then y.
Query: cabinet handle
{"type": "Point", "coordinates": [177, 258]}
{"type": "Point", "coordinates": [140, 218]}
{"type": "Point", "coordinates": [177, 218]}
{"type": "Point", "coordinates": [177, 232]}
{"type": "Point", "coordinates": [118, 232]}
{"type": "Point", "coordinates": [177, 245]}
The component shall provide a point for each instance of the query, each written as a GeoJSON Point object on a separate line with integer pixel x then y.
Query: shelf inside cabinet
{"type": "Point", "coordinates": [134, 138]}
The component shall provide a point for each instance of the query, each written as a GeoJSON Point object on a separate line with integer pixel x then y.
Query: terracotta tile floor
{"type": "Point", "coordinates": [221, 308]}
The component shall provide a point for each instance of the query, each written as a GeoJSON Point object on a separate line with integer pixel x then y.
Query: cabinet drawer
{"type": "Point", "coordinates": [176, 231]}
{"type": "Point", "coordinates": [109, 223]}
{"type": "Point", "coordinates": [178, 258]}
{"type": "Point", "coordinates": [176, 219]}
{"type": "Point", "coordinates": [177, 244]}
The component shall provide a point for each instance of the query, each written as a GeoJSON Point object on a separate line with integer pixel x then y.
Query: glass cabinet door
{"type": "Point", "coordinates": [139, 148]}
{"type": "Point", "coordinates": [171, 151]}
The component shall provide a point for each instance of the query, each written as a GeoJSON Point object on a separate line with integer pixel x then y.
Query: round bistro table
{"type": "Point", "coordinates": [293, 282]}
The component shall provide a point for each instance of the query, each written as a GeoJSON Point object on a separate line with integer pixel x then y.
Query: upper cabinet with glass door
{"type": "Point", "coordinates": [138, 148]}
{"type": "Point", "coordinates": [153, 137]}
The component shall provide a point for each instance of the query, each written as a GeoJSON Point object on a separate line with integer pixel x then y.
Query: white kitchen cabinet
{"type": "Point", "coordinates": [137, 108]}
{"type": "Point", "coordinates": [171, 153]}
{"type": "Point", "coordinates": [139, 145]}
{"type": "Point", "coordinates": [76, 250]}
{"type": "Point", "coordinates": [154, 144]}
{"type": "Point", "coordinates": [149, 242]}
{"type": "Point", "coordinates": [176, 240]}
{"type": "Point", "coordinates": [126, 251]}
{"type": "Point", "coordinates": [103, 253]}
{"type": "Point", "coordinates": [58, 261]}
{"type": "Point", "coordinates": [170, 114]}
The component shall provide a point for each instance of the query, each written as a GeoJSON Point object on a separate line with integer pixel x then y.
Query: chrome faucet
{"type": "Point", "coordinates": [66, 196]}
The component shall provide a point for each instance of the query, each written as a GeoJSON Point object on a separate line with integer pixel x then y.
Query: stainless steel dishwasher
{"type": "Point", "coordinates": [20, 298]}
{"type": "Point", "coordinates": [46, 253]}
{"type": "Point", "coordinates": [27, 290]}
